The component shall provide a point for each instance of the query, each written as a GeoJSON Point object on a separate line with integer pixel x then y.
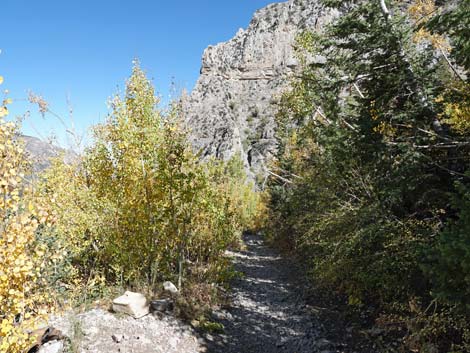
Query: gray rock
{"type": "Point", "coordinates": [150, 334]}
{"type": "Point", "coordinates": [117, 338]}
{"type": "Point", "coordinates": [52, 347]}
{"type": "Point", "coordinates": [133, 304]}
{"type": "Point", "coordinates": [322, 343]}
{"type": "Point", "coordinates": [170, 288]}
{"type": "Point", "coordinates": [161, 305]}
{"type": "Point", "coordinates": [41, 152]}
{"type": "Point", "coordinates": [232, 107]}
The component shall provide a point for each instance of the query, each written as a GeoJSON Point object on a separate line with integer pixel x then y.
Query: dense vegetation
{"type": "Point", "coordinates": [371, 187]}
{"type": "Point", "coordinates": [23, 291]}
{"type": "Point", "coordinates": [138, 207]}
{"type": "Point", "coordinates": [374, 158]}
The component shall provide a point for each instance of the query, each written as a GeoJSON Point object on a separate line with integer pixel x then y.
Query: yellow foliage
{"type": "Point", "coordinates": [421, 11]}
{"type": "Point", "coordinates": [456, 108]}
{"type": "Point", "coordinates": [143, 204]}
{"type": "Point", "coordinates": [21, 257]}
{"type": "Point", "coordinates": [385, 129]}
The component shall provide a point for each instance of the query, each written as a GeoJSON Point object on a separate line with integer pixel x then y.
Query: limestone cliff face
{"type": "Point", "coordinates": [232, 107]}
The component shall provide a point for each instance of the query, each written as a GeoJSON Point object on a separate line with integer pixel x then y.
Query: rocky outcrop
{"type": "Point", "coordinates": [232, 107]}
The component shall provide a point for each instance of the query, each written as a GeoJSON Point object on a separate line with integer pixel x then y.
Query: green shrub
{"type": "Point", "coordinates": [139, 207]}
{"type": "Point", "coordinates": [449, 268]}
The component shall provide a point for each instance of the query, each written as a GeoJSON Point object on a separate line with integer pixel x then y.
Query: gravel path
{"type": "Point", "coordinates": [98, 331]}
{"type": "Point", "coordinates": [267, 313]}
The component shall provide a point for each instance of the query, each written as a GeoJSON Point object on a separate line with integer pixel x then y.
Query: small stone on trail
{"type": "Point", "coordinates": [161, 305]}
{"type": "Point", "coordinates": [47, 340]}
{"type": "Point", "coordinates": [52, 347]}
{"type": "Point", "coordinates": [117, 338]}
{"type": "Point", "coordinates": [133, 304]}
{"type": "Point", "coordinates": [170, 287]}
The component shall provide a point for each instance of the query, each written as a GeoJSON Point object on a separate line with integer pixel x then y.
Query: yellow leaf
{"type": "Point", "coordinates": [3, 112]}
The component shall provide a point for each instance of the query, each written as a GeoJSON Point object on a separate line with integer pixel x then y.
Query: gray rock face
{"type": "Point", "coordinates": [232, 107]}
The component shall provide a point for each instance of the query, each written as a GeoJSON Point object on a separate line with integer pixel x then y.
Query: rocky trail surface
{"type": "Point", "coordinates": [267, 311]}
{"type": "Point", "coordinates": [98, 331]}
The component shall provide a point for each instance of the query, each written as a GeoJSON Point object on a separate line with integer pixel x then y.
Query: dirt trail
{"type": "Point", "coordinates": [267, 313]}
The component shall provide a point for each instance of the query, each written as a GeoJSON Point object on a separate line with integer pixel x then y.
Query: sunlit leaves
{"type": "Point", "coordinates": [144, 205]}
{"type": "Point", "coordinates": [21, 258]}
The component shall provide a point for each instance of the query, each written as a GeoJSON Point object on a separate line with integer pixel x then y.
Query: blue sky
{"type": "Point", "coordinates": [84, 49]}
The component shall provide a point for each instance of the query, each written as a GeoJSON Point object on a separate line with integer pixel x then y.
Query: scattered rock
{"type": "Point", "coordinates": [43, 336]}
{"type": "Point", "coordinates": [117, 338]}
{"type": "Point", "coordinates": [149, 334]}
{"type": "Point", "coordinates": [161, 305]}
{"type": "Point", "coordinates": [375, 331]}
{"type": "Point", "coordinates": [222, 315]}
{"type": "Point", "coordinates": [52, 347]}
{"type": "Point", "coordinates": [131, 303]}
{"type": "Point", "coordinates": [267, 313]}
{"type": "Point", "coordinates": [170, 288]}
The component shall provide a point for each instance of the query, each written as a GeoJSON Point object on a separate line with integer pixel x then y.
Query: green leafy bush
{"type": "Point", "coordinates": [139, 207]}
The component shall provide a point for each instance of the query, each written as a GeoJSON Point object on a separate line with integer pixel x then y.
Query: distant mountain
{"type": "Point", "coordinates": [40, 152]}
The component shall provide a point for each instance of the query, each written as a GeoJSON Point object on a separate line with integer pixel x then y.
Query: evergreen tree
{"type": "Point", "coordinates": [372, 144]}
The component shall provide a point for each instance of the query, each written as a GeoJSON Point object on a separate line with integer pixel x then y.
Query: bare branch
{"type": "Point", "coordinates": [443, 145]}
{"type": "Point", "coordinates": [349, 125]}
{"type": "Point", "coordinates": [452, 66]}
{"type": "Point", "coordinates": [385, 11]}
{"type": "Point", "coordinates": [320, 112]}
{"type": "Point", "coordinates": [358, 90]}
{"type": "Point", "coordinates": [279, 177]}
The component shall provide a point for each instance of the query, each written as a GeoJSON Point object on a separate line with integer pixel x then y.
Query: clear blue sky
{"type": "Point", "coordinates": [84, 49]}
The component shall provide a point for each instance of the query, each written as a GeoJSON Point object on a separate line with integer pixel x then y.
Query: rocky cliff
{"type": "Point", "coordinates": [232, 107]}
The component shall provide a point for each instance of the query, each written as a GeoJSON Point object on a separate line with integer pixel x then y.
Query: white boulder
{"type": "Point", "coordinates": [170, 288]}
{"type": "Point", "coordinates": [131, 303]}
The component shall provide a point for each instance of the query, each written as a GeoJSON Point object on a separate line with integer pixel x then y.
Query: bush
{"type": "Point", "coordinates": [145, 208]}
{"type": "Point", "coordinates": [23, 300]}
{"type": "Point", "coordinates": [366, 170]}
{"type": "Point", "coordinates": [449, 267]}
